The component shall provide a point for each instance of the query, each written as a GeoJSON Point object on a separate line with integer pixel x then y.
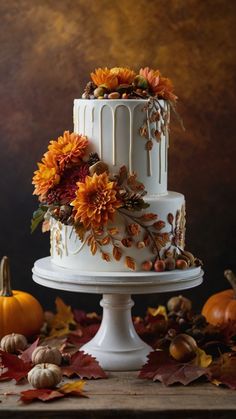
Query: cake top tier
{"type": "Point", "coordinates": [124, 83]}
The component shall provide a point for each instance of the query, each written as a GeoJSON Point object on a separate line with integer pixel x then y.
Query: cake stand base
{"type": "Point", "coordinates": [116, 345]}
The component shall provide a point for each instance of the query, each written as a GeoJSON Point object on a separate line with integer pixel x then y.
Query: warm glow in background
{"type": "Point", "coordinates": [48, 49]}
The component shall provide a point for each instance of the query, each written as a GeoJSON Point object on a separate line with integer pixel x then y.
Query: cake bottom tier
{"type": "Point", "coordinates": [132, 239]}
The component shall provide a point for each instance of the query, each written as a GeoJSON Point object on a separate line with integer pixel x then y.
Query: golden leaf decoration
{"type": "Point", "coordinates": [117, 253]}
{"type": "Point", "coordinates": [106, 240]}
{"type": "Point", "coordinates": [130, 263]}
{"type": "Point", "coordinates": [149, 217]}
{"type": "Point", "coordinates": [106, 257]}
{"type": "Point", "coordinates": [113, 231]}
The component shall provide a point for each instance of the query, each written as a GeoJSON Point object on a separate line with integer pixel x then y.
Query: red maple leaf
{"type": "Point", "coordinates": [223, 371]}
{"type": "Point", "coordinates": [45, 394]}
{"type": "Point", "coordinates": [81, 336]}
{"type": "Point", "coordinates": [42, 394]}
{"type": "Point", "coordinates": [16, 367]}
{"type": "Point", "coordinates": [27, 354]}
{"type": "Point", "coordinates": [84, 366]}
{"type": "Point", "coordinates": [160, 367]}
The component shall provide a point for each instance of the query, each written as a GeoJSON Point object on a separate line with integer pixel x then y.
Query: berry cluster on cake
{"type": "Point", "coordinates": [103, 188]}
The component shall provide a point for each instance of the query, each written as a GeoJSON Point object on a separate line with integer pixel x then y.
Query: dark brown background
{"type": "Point", "coordinates": [49, 47]}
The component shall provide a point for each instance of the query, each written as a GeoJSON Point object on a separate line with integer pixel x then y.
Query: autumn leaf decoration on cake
{"type": "Point", "coordinates": [107, 211]}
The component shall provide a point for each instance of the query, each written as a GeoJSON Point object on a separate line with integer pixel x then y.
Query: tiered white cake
{"type": "Point", "coordinates": [113, 130]}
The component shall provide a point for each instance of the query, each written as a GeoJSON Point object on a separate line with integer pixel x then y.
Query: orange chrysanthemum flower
{"type": "Point", "coordinates": [104, 76]}
{"type": "Point", "coordinates": [124, 75]}
{"type": "Point", "coordinates": [165, 89]}
{"type": "Point", "coordinates": [47, 176]}
{"type": "Point", "coordinates": [161, 87]}
{"type": "Point", "coordinates": [96, 201]}
{"type": "Point", "coordinates": [68, 149]}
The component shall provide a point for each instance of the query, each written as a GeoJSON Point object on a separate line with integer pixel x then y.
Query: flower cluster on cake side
{"type": "Point", "coordinates": [76, 188]}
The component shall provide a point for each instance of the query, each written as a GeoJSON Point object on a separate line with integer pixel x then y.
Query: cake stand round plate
{"type": "Point", "coordinates": [116, 345]}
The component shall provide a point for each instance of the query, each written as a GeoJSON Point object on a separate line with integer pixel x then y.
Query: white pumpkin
{"type": "Point", "coordinates": [45, 376]}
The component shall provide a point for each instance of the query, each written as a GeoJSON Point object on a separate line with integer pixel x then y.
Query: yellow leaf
{"type": "Point", "coordinates": [76, 387]}
{"type": "Point", "coordinates": [202, 359]}
{"type": "Point", "coordinates": [62, 319]}
{"type": "Point", "coordinates": [160, 310]}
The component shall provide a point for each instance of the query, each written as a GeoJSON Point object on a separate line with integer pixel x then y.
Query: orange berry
{"type": "Point", "coordinates": [147, 265]}
{"type": "Point", "coordinates": [181, 264]}
{"type": "Point", "coordinates": [159, 265]}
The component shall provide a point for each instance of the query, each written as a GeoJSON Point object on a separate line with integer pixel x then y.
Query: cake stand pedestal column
{"type": "Point", "coordinates": [116, 342]}
{"type": "Point", "coordinates": [116, 345]}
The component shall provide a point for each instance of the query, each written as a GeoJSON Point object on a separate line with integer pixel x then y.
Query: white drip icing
{"type": "Point", "coordinates": [84, 119]}
{"type": "Point", "coordinates": [92, 120]}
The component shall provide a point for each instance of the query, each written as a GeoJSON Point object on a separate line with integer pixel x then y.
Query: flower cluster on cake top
{"type": "Point", "coordinates": [76, 188]}
{"type": "Point", "coordinates": [124, 83]}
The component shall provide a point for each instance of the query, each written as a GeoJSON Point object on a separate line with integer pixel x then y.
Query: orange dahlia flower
{"type": "Point", "coordinates": [124, 75]}
{"type": "Point", "coordinates": [47, 176]}
{"type": "Point", "coordinates": [68, 149]}
{"type": "Point", "coordinates": [161, 87]}
{"type": "Point", "coordinates": [104, 76]}
{"type": "Point", "coordinates": [96, 201]}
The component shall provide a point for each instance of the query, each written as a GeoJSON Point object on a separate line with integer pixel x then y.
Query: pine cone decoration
{"type": "Point", "coordinates": [93, 158]}
{"type": "Point", "coordinates": [133, 201]}
{"type": "Point", "coordinates": [89, 89]}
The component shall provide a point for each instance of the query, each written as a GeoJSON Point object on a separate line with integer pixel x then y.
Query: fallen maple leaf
{"type": "Point", "coordinates": [160, 367]}
{"type": "Point", "coordinates": [84, 366]}
{"type": "Point", "coordinates": [27, 354]}
{"type": "Point", "coordinates": [223, 371]}
{"type": "Point", "coordinates": [62, 320]}
{"type": "Point", "coordinates": [16, 367]}
{"type": "Point", "coordinates": [46, 394]}
{"type": "Point", "coordinates": [73, 389]}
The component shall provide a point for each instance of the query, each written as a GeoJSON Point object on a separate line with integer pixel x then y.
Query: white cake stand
{"type": "Point", "coordinates": [116, 345]}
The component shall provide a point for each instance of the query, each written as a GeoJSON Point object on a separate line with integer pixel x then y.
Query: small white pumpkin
{"type": "Point", "coordinates": [46, 354]}
{"type": "Point", "coordinates": [45, 376]}
{"type": "Point", "coordinates": [13, 343]}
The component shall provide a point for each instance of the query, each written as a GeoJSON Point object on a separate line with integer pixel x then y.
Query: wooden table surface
{"type": "Point", "coordinates": [126, 396]}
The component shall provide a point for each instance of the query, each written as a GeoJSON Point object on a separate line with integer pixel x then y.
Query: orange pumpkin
{"type": "Point", "coordinates": [221, 307]}
{"type": "Point", "coordinates": [20, 312]}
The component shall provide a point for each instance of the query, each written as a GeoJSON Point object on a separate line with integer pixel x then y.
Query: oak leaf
{"type": "Point", "coordinates": [16, 367]}
{"type": "Point", "coordinates": [84, 366]}
{"type": "Point", "coordinates": [160, 367]}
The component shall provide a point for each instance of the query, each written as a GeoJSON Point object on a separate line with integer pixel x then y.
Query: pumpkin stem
{"type": "Point", "coordinates": [231, 278]}
{"type": "Point", "coordinates": [5, 278]}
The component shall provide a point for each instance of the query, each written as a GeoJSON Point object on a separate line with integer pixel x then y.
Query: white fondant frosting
{"type": "Point", "coordinates": [113, 128]}
{"type": "Point", "coordinates": [69, 252]}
